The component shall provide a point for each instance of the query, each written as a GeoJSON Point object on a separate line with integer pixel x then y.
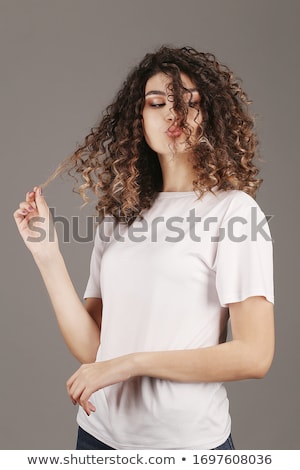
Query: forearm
{"type": "Point", "coordinates": [248, 355]}
{"type": "Point", "coordinates": [230, 361]}
{"type": "Point", "coordinates": [79, 330]}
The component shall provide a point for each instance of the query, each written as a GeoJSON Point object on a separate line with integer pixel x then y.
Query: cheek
{"type": "Point", "coordinates": [146, 129]}
{"type": "Point", "coordinates": [149, 123]}
{"type": "Point", "coordinates": [150, 130]}
{"type": "Point", "coordinates": [145, 121]}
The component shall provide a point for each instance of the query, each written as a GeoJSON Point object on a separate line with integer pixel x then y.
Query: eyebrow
{"type": "Point", "coordinates": [162, 93]}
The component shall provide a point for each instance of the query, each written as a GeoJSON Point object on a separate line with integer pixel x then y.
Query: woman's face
{"type": "Point", "coordinates": [161, 131]}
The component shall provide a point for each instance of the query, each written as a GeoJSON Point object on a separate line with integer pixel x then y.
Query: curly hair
{"type": "Point", "coordinates": [116, 163]}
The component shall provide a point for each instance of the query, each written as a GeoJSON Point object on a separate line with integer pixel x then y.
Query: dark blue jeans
{"type": "Point", "coordinates": [86, 441]}
{"type": "Point", "coordinates": [227, 445]}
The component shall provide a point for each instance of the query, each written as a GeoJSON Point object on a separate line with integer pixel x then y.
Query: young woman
{"type": "Point", "coordinates": [181, 247]}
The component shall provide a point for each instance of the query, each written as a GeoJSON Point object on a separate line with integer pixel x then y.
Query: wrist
{"type": "Point", "coordinates": [47, 257]}
{"type": "Point", "coordinates": [137, 364]}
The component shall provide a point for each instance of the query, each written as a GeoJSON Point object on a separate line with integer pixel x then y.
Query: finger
{"type": "Point", "coordinates": [70, 394]}
{"type": "Point", "coordinates": [41, 202]}
{"type": "Point", "coordinates": [19, 216]}
{"type": "Point", "coordinates": [72, 399]}
{"type": "Point", "coordinates": [92, 407]}
{"type": "Point", "coordinates": [76, 374]}
{"type": "Point", "coordinates": [26, 206]}
{"type": "Point", "coordinates": [71, 380]}
{"type": "Point", "coordinates": [76, 393]}
{"type": "Point", "coordinates": [88, 407]}
{"type": "Point", "coordinates": [85, 403]}
{"type": "Point", "coordinates": [80, 394]}
{"type": "Point", "coordinates": [20, 212]}
{"type": "Point", "coordinates": [74, 389]}
{"type": "Point", "coordinates": [30, 198]}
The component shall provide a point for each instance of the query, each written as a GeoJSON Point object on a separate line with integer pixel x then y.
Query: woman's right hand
{"type": "Point", "coordinates": [35, 224]}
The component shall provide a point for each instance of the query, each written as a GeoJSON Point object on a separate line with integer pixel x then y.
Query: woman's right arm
{"type": "Point", "coordinates": [80, 326]}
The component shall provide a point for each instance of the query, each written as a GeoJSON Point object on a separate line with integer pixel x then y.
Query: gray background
{"type": "Point", "coordinates": [61, 63]}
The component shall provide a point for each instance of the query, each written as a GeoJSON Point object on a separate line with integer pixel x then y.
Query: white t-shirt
{"type": "Point", "coordinates": [165, 283]}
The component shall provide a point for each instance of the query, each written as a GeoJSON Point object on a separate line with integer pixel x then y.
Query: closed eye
{"type": "Point", "coordinates": [194, 104]}
{"type": "Point", "coordinates": [157, 105]}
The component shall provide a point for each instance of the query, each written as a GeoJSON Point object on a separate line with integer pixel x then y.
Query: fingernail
{"type": "Point", "coordinates": [40, 191]}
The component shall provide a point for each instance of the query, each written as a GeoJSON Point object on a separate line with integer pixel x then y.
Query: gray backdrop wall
{"type": "Point", "coordinates": [61, 63]}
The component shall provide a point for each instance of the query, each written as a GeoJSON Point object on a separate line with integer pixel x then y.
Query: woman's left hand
{"type": "Point", "coordinates": [92, 377]}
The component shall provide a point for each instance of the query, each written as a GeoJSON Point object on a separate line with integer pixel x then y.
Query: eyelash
{"type": "Point", "coordinates": [194, 104]}
{"type": "Point", "coordinates": [160, 105]}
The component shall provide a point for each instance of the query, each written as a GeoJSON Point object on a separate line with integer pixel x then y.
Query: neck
{"type": "Point", "coordinates": [177, 172]}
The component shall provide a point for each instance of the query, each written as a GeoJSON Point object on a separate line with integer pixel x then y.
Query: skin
{"type": "Point", "coordinates": [158, 118]}
{"type": "Point", "coordinates": [248, 355]}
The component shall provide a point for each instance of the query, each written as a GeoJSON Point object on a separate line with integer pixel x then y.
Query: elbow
{"type": "Point", "coordinates": [260, 366]}
{"type": "Point", "coordinates": [85, 358]}
{"type": "Point", "coordinates": [85, 354]}
{"type": "Point", "coordinates": [259, 372]}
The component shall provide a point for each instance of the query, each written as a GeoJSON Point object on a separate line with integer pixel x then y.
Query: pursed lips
{"type": "Point", "coordinates": [174, 131]}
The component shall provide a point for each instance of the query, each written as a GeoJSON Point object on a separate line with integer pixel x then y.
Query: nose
{"type": "Point", "coordinates": [171, 115]}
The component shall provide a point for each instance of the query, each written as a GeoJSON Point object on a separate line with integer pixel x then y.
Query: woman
{"type": "Point", "coordinates": [181, 247]}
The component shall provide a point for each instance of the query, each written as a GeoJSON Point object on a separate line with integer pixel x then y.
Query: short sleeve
{"type": "Point", "coordinates": [244, 259]}
{"type": "Point", "coordinates": [93, 288]}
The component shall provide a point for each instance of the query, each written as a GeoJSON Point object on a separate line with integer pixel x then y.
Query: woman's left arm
{"type": "Point", "coordinates": [248, 355]}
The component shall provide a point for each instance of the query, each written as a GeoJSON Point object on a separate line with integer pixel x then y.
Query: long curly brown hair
{"type": "Point", "coordinates": [116, 163]}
